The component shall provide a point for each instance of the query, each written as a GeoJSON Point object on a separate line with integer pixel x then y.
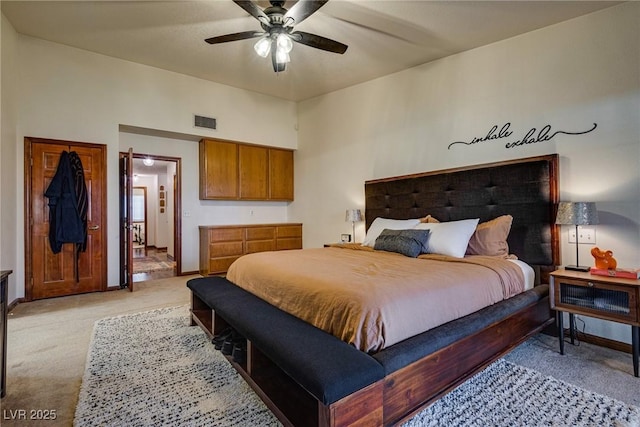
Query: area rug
{"type": "Point", "coordinates": [152, 369]}
{"type": "Point", "coordinates": [151, 263]}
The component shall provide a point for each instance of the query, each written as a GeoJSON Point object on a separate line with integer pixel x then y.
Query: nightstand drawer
{"type": "Point", "coordinates": [599, 299]}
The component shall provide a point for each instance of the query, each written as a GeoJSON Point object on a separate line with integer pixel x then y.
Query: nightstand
{"type": "Point", "coordinates": [609, 298]}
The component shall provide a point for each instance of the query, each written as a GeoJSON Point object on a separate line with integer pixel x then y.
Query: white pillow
{"type": "Point", "coordinates": [380, 224]}
{"type": "Point", "coordinates": [449, 238]}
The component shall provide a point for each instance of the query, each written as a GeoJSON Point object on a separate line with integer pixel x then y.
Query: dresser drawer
{"type": "Point", "coordinates": [221, 265]}
{"type": "Point", "coordinates": [285, 231]}
{"type": "Point", "coordinates": [261, 233]}
{"type": "Point", "coordinates": [222, 249]}
{"type": "Point", "coordinates": [260, 246]}
{"type": "Point", "coordinates": [288, 243]}
{"type": "Point", "coordinates": [225, 234]}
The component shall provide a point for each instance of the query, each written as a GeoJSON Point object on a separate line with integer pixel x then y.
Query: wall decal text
{"type": "Point", "coordinates": [533, 136]}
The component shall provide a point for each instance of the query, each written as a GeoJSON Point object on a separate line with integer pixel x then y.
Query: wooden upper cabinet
{"type": "Point", "coordinates": [218, 170]}
{"type": "Point", "coordinates": [233, 171]}
{"type": "Point", "coordinates": [254, 172]}
{"type": "Point", "coordinates": [280, 174]}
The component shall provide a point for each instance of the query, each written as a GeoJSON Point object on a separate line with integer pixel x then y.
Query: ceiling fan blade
{"type": "Point", "coordinates": [303, 9]}
{"type": "Point", "coordinates": [354, 13]}
{"type": "Point", "coordinates": [233, 37]}
{"type": "Point", "coordinates": [253, 10]}
{"type": "Point", "coordinates": [319, 42]}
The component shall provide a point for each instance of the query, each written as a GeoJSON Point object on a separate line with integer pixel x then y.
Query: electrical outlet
{"type": "Point", "coordinates": [587, 235]}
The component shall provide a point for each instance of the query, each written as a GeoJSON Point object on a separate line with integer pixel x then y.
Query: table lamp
{"type": "Point", "coordinates": [354, 215]}
{"type": "Point", "coordinates": [577, 213]}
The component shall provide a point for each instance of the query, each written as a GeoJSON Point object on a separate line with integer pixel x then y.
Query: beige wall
{"type": "Point", "coordinates": [71, 94]}
{"type": "Point", "coordinates": [9, 179]}
{"type": "Point", "coordinates": [569, 76]}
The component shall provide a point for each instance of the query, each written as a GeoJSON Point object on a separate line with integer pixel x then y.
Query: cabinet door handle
{"type": "Point", "coordinates": [590, 284]}
{"type": "Point", "coordinates": [94, 227]}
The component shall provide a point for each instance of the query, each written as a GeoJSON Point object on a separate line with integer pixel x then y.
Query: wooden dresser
{"type": "Point", "coordinates": [221, 245]}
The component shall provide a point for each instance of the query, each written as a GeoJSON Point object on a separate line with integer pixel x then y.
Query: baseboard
{"type": "Point", "coordinates": [602, 342]}
{"type": "Point", "coordinates": [14, 303]}
{"type": "Point", "coordinates": [189, 273]}
{"type": "Point", "coordinates": [156, 248]}
{"type": "Point", "coordinates": [552, 330]}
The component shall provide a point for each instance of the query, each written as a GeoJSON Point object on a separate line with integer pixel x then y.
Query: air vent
{"type": "Point", "coordinates": [205, 122]}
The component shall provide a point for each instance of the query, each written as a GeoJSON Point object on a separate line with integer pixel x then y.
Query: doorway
{"type": "Point", "coordinates": [139, 219]}
{"type": "Point", "coordinates": [155, 227]}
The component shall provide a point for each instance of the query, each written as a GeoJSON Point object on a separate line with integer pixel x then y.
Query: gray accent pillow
{"type": "Point", "coordinates": [405, 242]}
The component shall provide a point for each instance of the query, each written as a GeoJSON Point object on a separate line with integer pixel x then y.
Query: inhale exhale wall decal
{"type": "Point", "coordinates": [533, 136]}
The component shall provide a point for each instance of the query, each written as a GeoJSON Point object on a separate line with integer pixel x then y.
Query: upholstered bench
{"type": "Point", "coordinates": [326, 367]}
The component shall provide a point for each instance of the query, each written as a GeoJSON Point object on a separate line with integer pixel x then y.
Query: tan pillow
{"type": "Point", "coordinates": [490, 238]}
{"type": "Point", "coordinates": [429, 219]}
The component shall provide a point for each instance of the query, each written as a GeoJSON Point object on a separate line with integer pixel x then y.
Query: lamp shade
{"type": "Point", "coordinates": [354, 215]}
{"type": "Point", "coordinates": [577, 213]}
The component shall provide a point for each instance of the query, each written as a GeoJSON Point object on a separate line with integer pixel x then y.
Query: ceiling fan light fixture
{"type": "Point", "coordinates": [282, 57]}
{"type": "Point", "coordinates": [263, 46]}
{"type": "Point", "coordinates": [284, 42]}
{"type": "Point", "coordinates": [277, 36]}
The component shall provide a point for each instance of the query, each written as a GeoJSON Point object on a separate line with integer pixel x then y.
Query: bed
{"type": "Point", "coordinates": [431, 360]}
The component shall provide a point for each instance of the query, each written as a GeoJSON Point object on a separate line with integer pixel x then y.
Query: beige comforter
{"type": "Point", "coordinates": [373, 299]}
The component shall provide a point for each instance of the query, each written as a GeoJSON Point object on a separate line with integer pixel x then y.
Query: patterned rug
{"type": "Point", "coordinates": [152, 369]}
{"type": "Point", "coordinates": [152, 263]}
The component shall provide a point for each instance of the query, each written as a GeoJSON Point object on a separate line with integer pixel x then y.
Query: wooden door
{"type": "Point", "coordinates": [126, 220]}
{"type": "Point", "coordinates": [218, 170]}
{"type": "Point", "coordinates": [52, 275]}
{"type": "Point", "coordinates": [280, 174]}
{"type": "Point", "coordinates": [254, 174]}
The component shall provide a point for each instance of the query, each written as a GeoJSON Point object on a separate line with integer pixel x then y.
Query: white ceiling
{"type": "Point", "coordinates": [159, 167]}
{"type": "Point", "coordinates": [384, 36]}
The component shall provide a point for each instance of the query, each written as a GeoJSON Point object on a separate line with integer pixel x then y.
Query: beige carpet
{"type": "Point", "coordinates": [48, 342]}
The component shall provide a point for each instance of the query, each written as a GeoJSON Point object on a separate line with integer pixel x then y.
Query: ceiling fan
{"type": "Point", "coordinates": [278, 36]}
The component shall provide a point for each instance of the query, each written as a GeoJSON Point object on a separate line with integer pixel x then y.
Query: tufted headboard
{"type": "Point", "coordinates": [526, 189]}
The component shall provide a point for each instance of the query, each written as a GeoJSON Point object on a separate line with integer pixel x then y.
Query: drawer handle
{"type": "Point", "coordinates": [590, 284]}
